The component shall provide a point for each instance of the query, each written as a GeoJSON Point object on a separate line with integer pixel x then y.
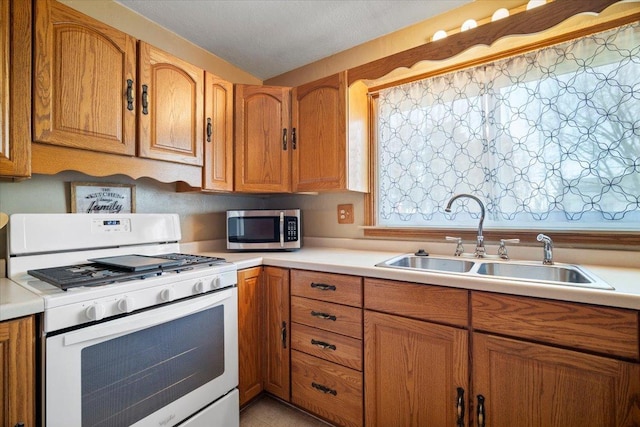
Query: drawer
{"type": "Point", "coordinates": [329, 317]}
{"type": "Point", "coordinates": [326, 345]}
{"type": "Point", "coordinates": [326, 389]}
{"type": "Point", "coordinates": [330, 287]}
{"type": "Point", "coordinates": [606, 330]}
{"type": "Point", "coordinates": [424, 302]}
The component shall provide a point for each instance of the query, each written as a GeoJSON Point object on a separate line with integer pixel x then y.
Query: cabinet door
{"type": "Point", "coordinates": [250, 332]}
{"type": "Point", "coordinates": [263, 140]}
{"type": "Point", "coordinates": [277, 374]}
{"type": "Point", "coordinates": [84, 75]}
{"type": "Point", "coordinates": [532, 385]}
{"type": "Point", "coordinates": [15, 88]}
{"type": "Point", "coordinates": [17, 378]}
{"type": "Point", "coordinates": [413, 372]}
{"type": "Point", "coordinates": [319, 119]}
{"type": "Point", "coordinates": [171, 107]}
{"type": "Point", "coordinates": [218, 145]}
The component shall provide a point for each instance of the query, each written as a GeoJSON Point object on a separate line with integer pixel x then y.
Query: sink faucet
{"type": "Point", "coordinates": [547, 248]}
{"type": "Point", "coordinates": [480, 250]}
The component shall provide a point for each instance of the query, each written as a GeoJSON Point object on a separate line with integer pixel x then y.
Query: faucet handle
{"type": "Point", "coordinates": [502, 250]}
{"type": "Point", "coordinates": [459, 248]}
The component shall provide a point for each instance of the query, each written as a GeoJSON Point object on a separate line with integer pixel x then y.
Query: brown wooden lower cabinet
{"type": "Point", "coordinates": [250, 333]}
{"type": "Point", "coordinates": [17, 372]}
{"type": "Point", "coordinates": [526, 384]}
{"type": "Point", "coordinates": [413, 370]}
{"type": "Point", "coordinates": [327, 389]}
{"type": "Point", "coordinates": [277, 333]}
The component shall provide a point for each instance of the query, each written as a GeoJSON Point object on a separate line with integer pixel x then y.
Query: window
{"type": "Point", "coordinates": [547, 139]}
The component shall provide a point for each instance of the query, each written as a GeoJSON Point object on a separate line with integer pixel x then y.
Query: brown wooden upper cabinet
{"type": "Point", "coordinates": [330, 146]}
{"type": "Point", "coordinates": [170, 111]}
{"type": "Point", "coordinates": [91, 91]}
{"type": "Point", "coordinates": [218, 146]}
{"type": "Point", "coordinates": [15, 89]}
{"type": "Point", "coordinates": [84, 77]}
{"type": "Point", "coordinates": [263, 141]}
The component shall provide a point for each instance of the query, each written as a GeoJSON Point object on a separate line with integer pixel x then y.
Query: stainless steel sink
{"type": "Point", "coordinates": [558, 273]}
{"type": "Point", "coordinates": [414, 262]}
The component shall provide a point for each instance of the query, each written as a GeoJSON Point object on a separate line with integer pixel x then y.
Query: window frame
{"type": "Point", "coordinates": [571, 238]}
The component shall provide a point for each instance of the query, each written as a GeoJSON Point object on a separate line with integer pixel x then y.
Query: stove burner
{"type": "Point", "coordinates": [95, 274]}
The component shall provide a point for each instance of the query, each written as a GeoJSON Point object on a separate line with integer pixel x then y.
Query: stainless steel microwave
{"type": "Point", "coordinates": [262, 229]}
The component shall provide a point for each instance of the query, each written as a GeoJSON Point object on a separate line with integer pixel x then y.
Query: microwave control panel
{"type": "Point", "coordinates": [291, 229]}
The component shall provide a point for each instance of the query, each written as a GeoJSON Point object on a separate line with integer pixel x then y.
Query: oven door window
{"type": "Point", "coordinates": [129, 377]}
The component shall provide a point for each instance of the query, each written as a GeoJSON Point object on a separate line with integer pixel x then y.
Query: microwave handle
{"type": "Point", "coordinates": [281, 229]}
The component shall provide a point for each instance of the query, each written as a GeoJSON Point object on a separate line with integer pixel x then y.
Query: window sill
{"type": "Point", "coordinates": [626, 240]}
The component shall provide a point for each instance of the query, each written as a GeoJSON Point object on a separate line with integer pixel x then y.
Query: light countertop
{"type": "Point", "coordinates": [16, 301]}
{"type": "Point", "coordinates": [625, 280]}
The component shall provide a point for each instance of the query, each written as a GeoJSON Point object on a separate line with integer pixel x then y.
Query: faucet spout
{"type": "Point", "coordinates": [480, 250]}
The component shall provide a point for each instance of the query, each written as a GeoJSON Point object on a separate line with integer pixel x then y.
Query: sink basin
{"type": "Point", "coordinates": [556, 274]}
{"type": "Point", "coordinates": [564, 274]}
{"type": "Point", "coordinates": [414, 262]}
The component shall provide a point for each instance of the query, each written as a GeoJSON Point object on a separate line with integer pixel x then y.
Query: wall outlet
{"type": "Point", "coordinates": [345, 214]}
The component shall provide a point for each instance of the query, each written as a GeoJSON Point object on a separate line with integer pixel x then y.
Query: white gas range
{"type": "Point", "coordinates": [135, 332]}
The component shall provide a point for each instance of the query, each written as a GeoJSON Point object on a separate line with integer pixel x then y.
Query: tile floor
{"type": "Point", "coordinates": [269, 412]}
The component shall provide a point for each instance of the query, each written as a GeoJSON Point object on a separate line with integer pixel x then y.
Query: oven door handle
{"type": "Point", "coordinates": [146, 319]}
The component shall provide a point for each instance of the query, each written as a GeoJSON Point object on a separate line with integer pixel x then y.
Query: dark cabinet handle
{"type": "Point", "coordinates": [293, 138]}
{"type": "Point", "coordinates": [283, 334]}
{"type": "Point", "coordinates": [460, 408]}
{"type": "Point", "coordinates": [481, 411]}
{"type": "Point", "coordinates": [324, 316]}
{"type": "Point", "coordinates": [209, 129]}
{"type": "Point", "coordinates": [284, 139]}
{"type": "Point", "coordinates": [323, 345]}
{"type": "Point", "coordinates": [324, 389]}
{"type": "Point", "coordinates": [129, 98]}
{"type": "Point", "coordinates": [323, 287]}
{"type": "Point", "coordinates": [145, 99]}
{"type": "Point", "coordinates": [20, 424]}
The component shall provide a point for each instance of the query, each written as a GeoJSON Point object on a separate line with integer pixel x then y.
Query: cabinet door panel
{"type": "Point", "coordinates": [17, 372]}
{"type": "Point", "coordinates": [262, 150]}
{"type": "Point", "coordinates": [218, 149]}
{"type": "Point", "coordinates": [82, 68]}
{"type": "Point", "coordinates": [15, 88]}
{"type": "Point", "coordinates": [412, 371]}
{"type": "Point", "coordinates": [250, 333]}
{"type": "Point", "coordinates": [532, 385]}
{"type": "Point", "coordinates": [319, 116]}
{"type": "Point", "coordinates": [277, 335]}
{"type": "Point", "coordinates": [172, 127]}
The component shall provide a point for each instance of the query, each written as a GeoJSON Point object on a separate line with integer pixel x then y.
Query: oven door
{"type": "Point", "coordinates": [153, 368]}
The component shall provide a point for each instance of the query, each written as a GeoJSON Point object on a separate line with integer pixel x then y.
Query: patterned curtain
{"type": "Point", "coordinates": [549, 136]}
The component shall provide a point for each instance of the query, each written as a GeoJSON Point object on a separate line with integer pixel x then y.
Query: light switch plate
{"type": "Point", "coordinates": [345, 214]}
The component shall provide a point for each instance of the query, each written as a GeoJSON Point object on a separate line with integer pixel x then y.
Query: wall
{"type": "Point", "coordinates": [202, 216]}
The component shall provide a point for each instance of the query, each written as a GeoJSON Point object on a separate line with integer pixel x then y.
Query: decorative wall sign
{"type": "Point", "coordinates": [88, 197]}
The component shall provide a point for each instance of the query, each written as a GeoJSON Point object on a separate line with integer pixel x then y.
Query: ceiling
{"type": "Point", "coordinates": [269, 37]}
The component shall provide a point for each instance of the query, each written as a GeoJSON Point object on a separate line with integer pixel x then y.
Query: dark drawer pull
{"type": "Point", "coordinates": [324, 389]}
{"type": "Point", "coordinates": [324, 316]}
{"type": "Point", "coordinates": [323, 345]}
{"type": "Point", "coordinates": [323, 287]}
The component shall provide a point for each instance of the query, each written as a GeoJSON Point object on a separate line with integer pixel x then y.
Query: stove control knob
{"type": "Point", "coordinates": [126, 304]}
{"type": "Point", "coordinates": [215, 282]}
{"type": "Point", "coordinates": [168, 294]}
{"type": "Point", "coordinates": [95, 311]}
{"type": "Point", "coordinates": [199, 287]}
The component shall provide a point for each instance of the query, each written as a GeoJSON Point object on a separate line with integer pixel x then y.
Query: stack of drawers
{"type": "Point", "coordinates": [326, 343]}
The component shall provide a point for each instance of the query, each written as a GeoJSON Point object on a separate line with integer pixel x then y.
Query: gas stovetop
{"type": "Point", "coordinates": [120, 269]}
